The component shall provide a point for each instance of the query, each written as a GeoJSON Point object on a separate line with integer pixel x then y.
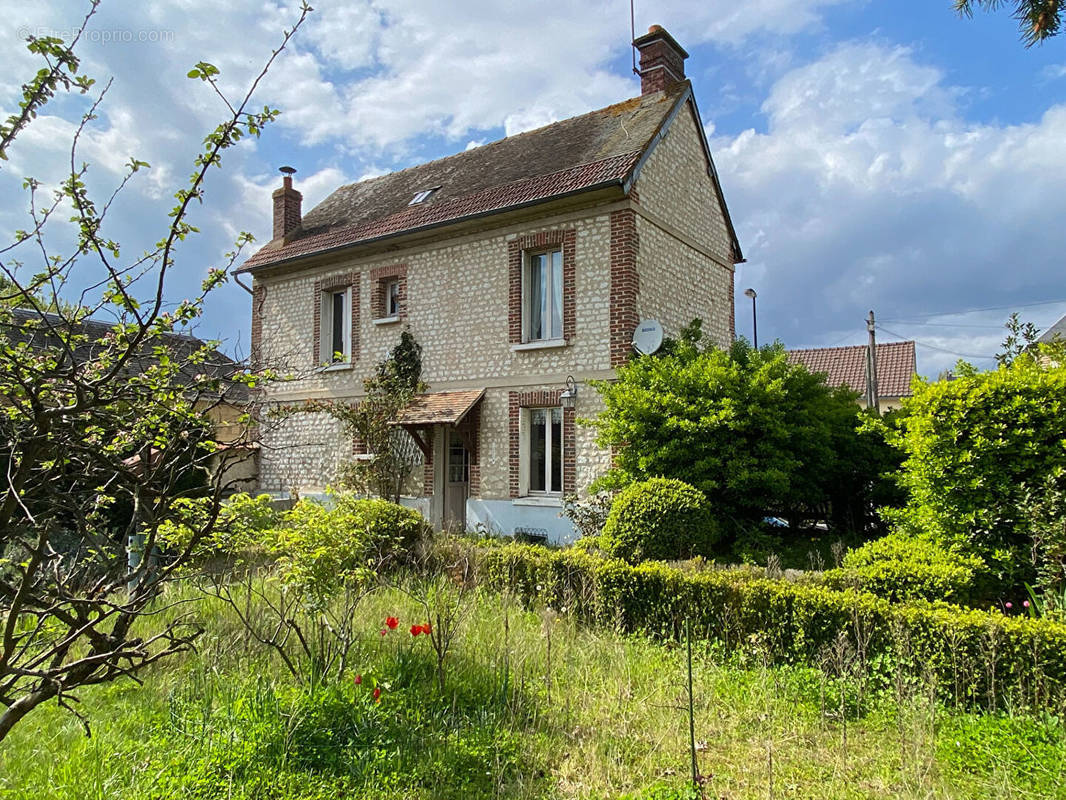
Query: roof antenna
{"type": "Point", "coordinates": [633, 36]}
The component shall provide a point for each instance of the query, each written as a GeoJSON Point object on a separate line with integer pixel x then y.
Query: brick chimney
{"type": "Point", "coordinates": [287, 217]}
{"type": "Point", "coordinates": [662, 60]}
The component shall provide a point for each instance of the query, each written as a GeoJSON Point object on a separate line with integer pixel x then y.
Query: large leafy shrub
{"type": "Point", "coordinates": [661, 518]}
{"type": "Point", "coordinates": [901, 567]}
{"type": "Point", "coordinates": [755, 433]}
{"type": "Point", "coordinates": [976, 449]}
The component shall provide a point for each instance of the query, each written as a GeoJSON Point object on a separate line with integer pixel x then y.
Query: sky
{"type": "Point", "coordinates": [874, 154]}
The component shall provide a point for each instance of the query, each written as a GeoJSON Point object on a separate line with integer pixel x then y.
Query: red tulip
{"type": "Point", "coordinates": [377, 694]}
{"type": "Point", "coordinates": [392, 622]}
{"type": "Point", "coordinates": [384, 631]}
{"type": "Point", "coordinates": [426, 629]}
{"type": "Point", "coordinates": [416, 629]}
{"type": "Point", "coordinates": [358, 679]}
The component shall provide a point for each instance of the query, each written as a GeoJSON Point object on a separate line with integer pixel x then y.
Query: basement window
{"type": "Point", "coordinates": [422, 196]}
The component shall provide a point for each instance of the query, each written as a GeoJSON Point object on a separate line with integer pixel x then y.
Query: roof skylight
{"type": "Point", "coordinates": [422, 196]}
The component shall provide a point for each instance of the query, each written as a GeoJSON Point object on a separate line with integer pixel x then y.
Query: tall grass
{"type": "Point", "coordinates": [604, 717]}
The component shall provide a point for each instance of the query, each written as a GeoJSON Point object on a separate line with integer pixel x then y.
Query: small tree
{"type": "Point", "coordinates": [1021, 337]}
{"type": "Point", "coordinates": [391, 453]}
{"type": "Point", "coordinates": [91, 419]}
{"type": "Point", "coordinates": [755, 433]}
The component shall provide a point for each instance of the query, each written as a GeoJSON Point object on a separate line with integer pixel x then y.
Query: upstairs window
{"type": "Point", "coordinates": [336, 340]}
{"type": "Point", "coordinates": [391, 292]}
{"type": "Point", "coordinates": [542, 294]}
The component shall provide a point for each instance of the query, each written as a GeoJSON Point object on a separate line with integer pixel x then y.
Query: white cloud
{"type": "Point", "coordinates": [870, 189]}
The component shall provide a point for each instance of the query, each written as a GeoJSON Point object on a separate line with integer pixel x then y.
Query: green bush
{"type": "Point", "coordinates": [659, 519]}
{"type": "Point", "coordinates": [756, 433]}
{"type": "Point", "coordinates": [242, 519]}
{"type": "Point", "coordinates": [977, 657]}
{"type": "Point", "coordinates": [901, 567]}
{"type": "Point", "coordinates": [977, 448]}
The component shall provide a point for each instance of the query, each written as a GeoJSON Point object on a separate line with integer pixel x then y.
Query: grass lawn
{"type": "Point", "coordinates": [605, 716]}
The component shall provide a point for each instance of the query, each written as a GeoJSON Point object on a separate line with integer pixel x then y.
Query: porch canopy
{"type": "Point", "coordinates": [437, 408]}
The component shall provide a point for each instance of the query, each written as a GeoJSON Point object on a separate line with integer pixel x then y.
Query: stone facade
{"type": "Point", "coordinates": [664, 256]}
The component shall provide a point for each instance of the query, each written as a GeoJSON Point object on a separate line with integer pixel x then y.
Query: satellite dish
{"type": "Point", "coordinates": [648, 337]}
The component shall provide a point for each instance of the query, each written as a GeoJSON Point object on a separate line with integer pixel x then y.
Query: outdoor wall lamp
{"type": "Point", "coordinates": [569, 395]}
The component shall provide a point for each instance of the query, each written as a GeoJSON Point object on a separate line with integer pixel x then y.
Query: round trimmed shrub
{"type": "Point", "coordinates": [661, 519]}
{"type": "Point", "coordinates": [901, 567]}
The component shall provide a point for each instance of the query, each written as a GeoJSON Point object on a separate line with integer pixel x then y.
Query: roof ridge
{"type": "Point", "coordinates": [849, 346]}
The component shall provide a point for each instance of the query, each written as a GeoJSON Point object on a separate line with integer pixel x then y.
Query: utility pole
{"type": "Point", "coordinates": [872, 400]}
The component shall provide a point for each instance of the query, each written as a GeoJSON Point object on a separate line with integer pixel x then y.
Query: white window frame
{"type": "Point", "coordinates": [390, 293]}
{"type": "Point", "coordinates": [325, 327]}
{"type": "Point", "coordinates": [525, 452]}
{"type": "Point", "coordinates": [527, 293]}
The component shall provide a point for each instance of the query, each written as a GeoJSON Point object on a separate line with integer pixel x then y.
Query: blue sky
{"type": "Point", "coordinates": [882, 154]}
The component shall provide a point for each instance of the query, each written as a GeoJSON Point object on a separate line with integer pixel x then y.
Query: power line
{"type": "Point", "coordinates": [944, 325]}
{"type": "Point", "coordinates": [936, 347]}
{"type": "Point", "coordinates": [976, 310]}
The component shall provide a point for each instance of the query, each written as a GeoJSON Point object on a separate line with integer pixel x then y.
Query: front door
{"type": "Point", "coordinates": [456, 482]}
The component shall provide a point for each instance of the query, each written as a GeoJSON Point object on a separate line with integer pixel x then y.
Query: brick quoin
{"type": "Point", "coordinates": [567, 241]}
{"type": "Point", "coordinates": [624, 283]}
{"type": "Point", "coordinates": [332, 284]}
{"type": "Point", "coordinates": [540, 399]}
{"type": "Point", "coordinates": [258, 299]}
{"type": "Point", "coordinates": [379, 276]}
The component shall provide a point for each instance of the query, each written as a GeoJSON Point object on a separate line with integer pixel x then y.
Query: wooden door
{"type": "Point", "coordinates": [456, 482]}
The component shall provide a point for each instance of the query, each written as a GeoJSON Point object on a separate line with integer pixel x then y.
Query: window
{"type": "Point", "coordinates": [336, 341]}
{"type": "Point", "coordinates": [422, 196]}
{"type": "Point", "coordinates": [391, 296]}
{"type": "Point", "coordinates": [544, 467]}
{"type": "Point", "coordinates": [542, 294]}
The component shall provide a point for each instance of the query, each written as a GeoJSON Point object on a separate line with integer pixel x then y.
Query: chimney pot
{"type": "Point", "coordinates": [662, 60]}
{"type": "Point", "coordinates": [287, 214]}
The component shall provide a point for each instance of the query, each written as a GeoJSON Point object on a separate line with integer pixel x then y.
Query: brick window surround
{"type": "Point", "coordinates": [335, 283]}
{"type": "Point", "coordinates": [379, 277]}
{"type": "Point", "coordinates": [624, 284]}
{"type": "Point", "coordinates": [516, 401]}
{"type": "Point", "coordinates": [516, 248]}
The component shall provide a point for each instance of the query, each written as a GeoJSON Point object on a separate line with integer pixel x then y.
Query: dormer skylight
{"type": "Point", "coordinates": [422, 196]}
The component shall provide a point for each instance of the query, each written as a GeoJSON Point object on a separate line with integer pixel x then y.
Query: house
{"type": "Point", "coordinates": [1056, 333]}
{"type": "Point", "coordinates": [846, 366]}
{"type": "Point", "coordinates": [523, 268]}
{"type": "Point", "coordinates": [237, 456]}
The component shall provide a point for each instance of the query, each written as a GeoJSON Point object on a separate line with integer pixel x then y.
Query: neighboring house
{"type": "Point", "coordinates": [846, 366]}
{"type": "Point", "coordinates": [1056, 333]}
{"type": "Point", "coordinates": [516, 265]}
{"type": "Point", "coordinates": [223, 410]}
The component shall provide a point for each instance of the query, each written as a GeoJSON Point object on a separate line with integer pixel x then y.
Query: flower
{"type": "Point", "coordinates": [426, 629]}
{"type": "Point", "coordinates": [1025, 603]}
{"type": "Point", "coordinates": [416, 629]}
{"type": "Point", "coordinates": [1010, 604]}
{"type": "Point", "coordinates": [392, 622]}
{"type": "Point", "coordinates": [358, 679]}
{"type": "Point", "coordinates": [377, 694]}
{"type": "Point", "coordinates": [384, 631]}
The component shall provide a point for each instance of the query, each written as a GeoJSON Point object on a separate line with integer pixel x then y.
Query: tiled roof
{"type": "Point", "coordinates": [1056, 331]}
{"type": "Point", "coordinates": [582, 153]}
{"type": "Point", "coordinates": [846, 366]}
{"type": "Point", "coordinates": [439, 408]}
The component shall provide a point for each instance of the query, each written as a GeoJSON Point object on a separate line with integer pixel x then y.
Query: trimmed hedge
{"type": "Point", "coordinates": [977, 657]}
{"type": "Point", "coordinates": [660, 518]}
{"type": "Point", "coordinates": [900, 567]}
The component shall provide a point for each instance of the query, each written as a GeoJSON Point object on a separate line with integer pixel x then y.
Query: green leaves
{"type": "Point", "coordinates": [203, 71]}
